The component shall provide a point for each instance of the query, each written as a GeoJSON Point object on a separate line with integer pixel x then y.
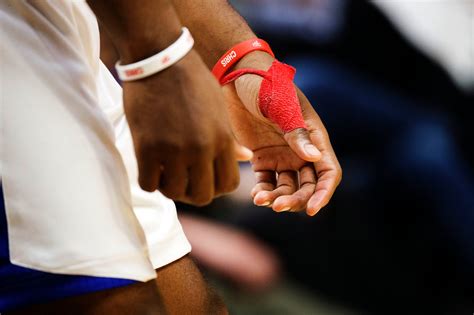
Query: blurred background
{"type": "Point", "coordinates": [394, 83]}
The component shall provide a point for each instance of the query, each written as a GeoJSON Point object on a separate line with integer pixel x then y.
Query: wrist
{"type": "Point", "coordinates": [182, 68]}
{"type": "Point", "coordinates": [158, 62]}
{"type": "Point", "coordinates": [236, 53]}
{"type": "Point", "coordinates": [138, 31]}
{"type": "Point", "coordinates": [134, 48]}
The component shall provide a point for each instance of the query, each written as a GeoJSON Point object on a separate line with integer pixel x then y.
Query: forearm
{"type": "Point", "coordinates": [215, 25]}
{"type": "Point", "coordinates": [138, 29]}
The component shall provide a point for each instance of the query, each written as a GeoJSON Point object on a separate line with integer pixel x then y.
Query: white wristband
{"type": "Point", "coordinates": [158, 62]}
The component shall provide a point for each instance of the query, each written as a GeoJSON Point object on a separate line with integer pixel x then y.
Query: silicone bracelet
{"type": "Point", "coordinates": [158, 62]}
{"type": "Point", "coordinates": [236, 53]}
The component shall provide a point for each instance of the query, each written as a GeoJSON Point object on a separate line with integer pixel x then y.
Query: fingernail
{"type": "Point", "coordinates": [311, 150]}
{"type": "Point", "coordinates": [266, 203]}
{"type": "Point", "coordinates": [284, 209]}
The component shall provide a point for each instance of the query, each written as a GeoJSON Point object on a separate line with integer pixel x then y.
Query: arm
{"type": "Point", "coordinates": [183, 143]}
{"type": "Point", "coordinates": [217, 27]}
{"type": "Point", "coordinates": [138, 31]}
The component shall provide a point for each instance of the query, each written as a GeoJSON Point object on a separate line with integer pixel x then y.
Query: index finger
{"type": "Point", "coordinates": [328, 170]}
{"type": "Point", "coordinates": [329, 176]}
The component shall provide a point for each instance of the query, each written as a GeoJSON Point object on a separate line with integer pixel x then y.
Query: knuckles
{"type": "Point", "coordinates": [231, 184]}
{"type": "Point", "coordinates": [234, 183]}
{"type": "Point", "coordinates": [192, 150]}
{"type": "Point", "coordinates": [172, 193]}
{"type": "Point", "coordinates": [201, 200]}
{"type": "Point", "coordinates": [197, 144]}
{"type": "Point", "coordinates": [147, 187]}
{"type": "Point", "coordinates": [178, 148]}
{"type": "Point", "coordinates": [199, 148]}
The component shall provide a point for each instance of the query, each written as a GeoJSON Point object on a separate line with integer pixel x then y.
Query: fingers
{"type": "Point", "coordinates": [329, 176]}
{"type": "Point", "coordinates": [208, 179]}
{"type": "Point", "coordinates": [148, 172]}
{"type": "Point", "coordinates": [200, 190]}
{"type": "Point", "coordinates": [299, 141]}
{"type": "Point", "coordinates": [194, 179]}
{"type": "Point", "coordinates": [173, 180]}
{"type": "Point", "coordinates": [327, 183]}
{"type": "Point", "coordinates": [310, 193]}
{"type": "Point", "coordinates": [226, 173]}
{"type": "Point", "coordinates": [286, 184]}
{"type": "Point", "coordinates": [298, 200]}
{"type": "Point", "coordinates": [242, 153]}
{"type": "Point", "coordinates": [266, 181]}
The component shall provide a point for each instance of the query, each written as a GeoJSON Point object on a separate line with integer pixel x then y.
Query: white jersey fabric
{"type": "Point", "coordinates": [67, 162]}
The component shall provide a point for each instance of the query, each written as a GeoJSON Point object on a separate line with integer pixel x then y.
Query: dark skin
{"type": "Point", "coordinates": [185, 147]}
{"type": "Point", "coordinates": [181, 132]}
{"type": "Point", "coordinates": [183, 142]}
{"type": "Point", "coordinates": [162, 296]}
{"type": "Point", "coordinates": [296, 171]}
{"type": "Point", "coordinates": [286, 179]}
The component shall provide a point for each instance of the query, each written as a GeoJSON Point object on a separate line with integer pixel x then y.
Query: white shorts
{"type": "Point", "coordinates": [67, 163]}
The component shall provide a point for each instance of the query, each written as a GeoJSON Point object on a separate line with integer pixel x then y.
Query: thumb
{"type": "Point", "coordinates": [242, 153]}
{"type": "Point", "coordinates": [299, 141]}
{"type": "Point", "coordinates": [247, 88]}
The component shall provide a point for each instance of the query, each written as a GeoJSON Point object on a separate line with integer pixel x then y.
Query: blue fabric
{"type": "Point", "coordinates": [20, 286]}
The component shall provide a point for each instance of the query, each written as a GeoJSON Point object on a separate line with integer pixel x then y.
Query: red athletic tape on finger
{"type": "Point", "coordinates": [277, 97]}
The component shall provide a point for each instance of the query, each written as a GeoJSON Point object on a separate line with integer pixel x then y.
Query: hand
{"type": "Point", "coordinates": [181, 133]}
{"type": "Point", "coordinates": [295, 171]}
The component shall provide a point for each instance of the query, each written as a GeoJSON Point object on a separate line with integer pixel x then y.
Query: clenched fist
{"type": "Point", "coordinates": [181, 132]}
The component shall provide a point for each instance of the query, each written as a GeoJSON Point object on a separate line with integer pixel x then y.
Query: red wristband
{"type": "Point", "coordinates": [236, 53]}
